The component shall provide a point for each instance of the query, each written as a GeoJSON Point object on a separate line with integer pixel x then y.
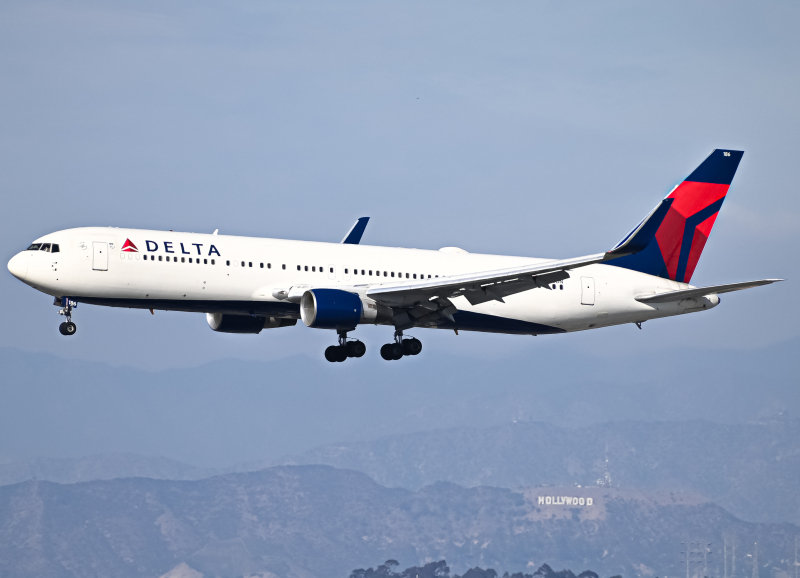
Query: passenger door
{"type": "Point", "coordinates": [587, 290]}
{"type": "Point", "coordinates": [100, 256]}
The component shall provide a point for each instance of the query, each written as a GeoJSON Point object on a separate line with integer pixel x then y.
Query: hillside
{"type": "Point", "coordinates": [743, 468]}
{"type": "Point", "coordinates": [317, 521]}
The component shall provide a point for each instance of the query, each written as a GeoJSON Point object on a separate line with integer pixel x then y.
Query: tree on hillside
{"type": "Point", "coordinates": [441, 570]}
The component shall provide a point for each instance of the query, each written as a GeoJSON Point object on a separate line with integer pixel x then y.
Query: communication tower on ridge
{"type": "Point", "coordinates": [605, 481]}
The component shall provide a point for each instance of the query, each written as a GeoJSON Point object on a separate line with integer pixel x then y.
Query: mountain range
{"type": "Point", "coordinates": [318, 521]}
{"type": "Point", "coordinates": [751, 470]}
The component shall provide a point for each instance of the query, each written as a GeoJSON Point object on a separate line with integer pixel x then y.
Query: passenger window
{"type": "Point", "coordinates": [228, 263]}
{"type": "Point", "coordinates": [242, 263]}
{"type": "Point", "coordinates": [370, 272]}
{"type": "Point", "coordinates": [213, 262]}
{"type": "Point", "coordinates": [406, 275]}
{"type": "Point", "coordinates": [392, 273]}
{"type": "Point", "coordinates": [283, 267]}
{"type": "Point", "coordinates": [385, 274]}
{"type": "Point", "coordinates": [298, 267]}
{"type": "Point", "coordinates": [561, 287]}
{"type": "Point", "coordinates": [269, 265]}
{"type": "Point", "coordinates": [159, 257]}
{"type": "Point", "coordinates": [355, 271]}
{"type": "Point", "coordinates": [345, 271]}
{"type": "Point", "coordinates": [249, 263]}
{"type": "Point", "coordinates": [331, 270]}
{"type": "Point", "coordinates": [362, 271]}
{"type": "Point", "coordinates": [306, 267]}
{"type": "Point", "coordinates": [205, 261]}
{"type": "Point", "coordinates": [190, 259]}
{"type": "Point", "coordinates": [262, 265]}
{"type": "Point", "coordinates": [55, 248]}
{"type": "Point", "coordinates": [313, 269]}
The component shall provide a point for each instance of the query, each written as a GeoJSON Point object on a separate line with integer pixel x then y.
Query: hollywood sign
{"type": "Point", "coordinates": [564, 501]}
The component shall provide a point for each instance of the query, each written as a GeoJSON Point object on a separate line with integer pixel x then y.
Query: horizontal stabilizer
{"type": "Point", "coordinates": [702, 291]}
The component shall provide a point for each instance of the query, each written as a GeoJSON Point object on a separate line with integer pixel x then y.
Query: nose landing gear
{"type": "Point", "coordinates": [67, 327]}
{"type": "Point", "coordinates": [400, 347]}
{"type": "Point", "coordinates": [345, 349]}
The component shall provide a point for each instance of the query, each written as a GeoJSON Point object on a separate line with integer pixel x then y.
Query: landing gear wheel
{"type": "Point", "coordinates": [332, 353]}
{"type": "Point", "coordinates": [396, 350]}
{"type": "Point", "coordinates": [412, 346]}
{"type": "Point", "coordinates": [67, 328]}
{"type": "Point", "coordinates": [386, 352]}
{"type": "Point", "coordinates": [356, 349]}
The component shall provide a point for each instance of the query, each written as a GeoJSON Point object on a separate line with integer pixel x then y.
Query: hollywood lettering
{"type": "Point", "coordinates": [564, 501]}
{"type": "Point", "coordinates": [169, 247]}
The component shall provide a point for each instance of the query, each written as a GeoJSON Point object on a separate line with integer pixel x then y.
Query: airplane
{"type": "Point", "coordinates": [247, 284]}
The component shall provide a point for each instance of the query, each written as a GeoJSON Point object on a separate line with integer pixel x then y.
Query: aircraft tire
{"type": "Point", "coordinates": [356, 349]}
{"type": "Point", "coordinates": [331, 353]}
{"type": "Point", "coordinates": [69, 328]}
{"type": "Point", "coordinates": [386, 351]}
{"type": "Point", "coordinates": [62, 328]}
{"type": "Point", "coordinates": [412, 346]}
{"type": "Point", "coordinates": [396, 350]}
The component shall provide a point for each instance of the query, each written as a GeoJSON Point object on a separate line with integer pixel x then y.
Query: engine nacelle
{"type": "Point", "coordinates": [225, 323]}
{"type": "Point", "coordinates": [337, 309]}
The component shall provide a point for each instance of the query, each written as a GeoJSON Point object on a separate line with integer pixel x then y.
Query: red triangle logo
{"type": "Point", "coordinates": [129, 247]}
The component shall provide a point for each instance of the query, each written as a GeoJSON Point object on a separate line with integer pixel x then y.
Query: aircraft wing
{"type": "Point", "coordinates": [482, 286]}
{"type": "Point", "coordinates": [427, 302]}
{"type": "Point", "coordinates": [702, 291]}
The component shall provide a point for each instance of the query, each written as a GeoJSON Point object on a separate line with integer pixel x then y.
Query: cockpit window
{"type": "Point", "coordinates": [45, 247]}
{"type": "Point", "coordinates": [34, 247]}
{"type": "Point", "coordinates": [55, 248]}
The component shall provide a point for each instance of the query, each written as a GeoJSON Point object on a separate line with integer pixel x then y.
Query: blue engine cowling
{"type": "Point", "coordinates": [330, 309]}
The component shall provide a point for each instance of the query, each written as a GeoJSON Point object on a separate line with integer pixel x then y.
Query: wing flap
{"type": "Point", "coordinates": [702, 291]}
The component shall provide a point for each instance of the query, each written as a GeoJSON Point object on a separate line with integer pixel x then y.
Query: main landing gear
{"type": "Point", "coordinates": [400, 347]}
{"type": "Point", "coordinates": [67, 327]}
{"type": "Point", "coordinates": [345, 349]}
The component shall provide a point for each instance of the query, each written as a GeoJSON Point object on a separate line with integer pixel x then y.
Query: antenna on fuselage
{"type": "Point", "coordinates": [215, 231]}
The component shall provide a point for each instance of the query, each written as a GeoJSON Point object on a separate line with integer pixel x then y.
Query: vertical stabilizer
{"type": "Point", "coordinates": [676, 245]}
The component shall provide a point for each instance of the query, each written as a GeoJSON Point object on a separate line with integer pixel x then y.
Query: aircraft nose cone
{"type": "Point", "coordinates": [18, 265]}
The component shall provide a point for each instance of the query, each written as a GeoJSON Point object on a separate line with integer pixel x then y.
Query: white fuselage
{"type": "Point", "coordinates": [247, 272]}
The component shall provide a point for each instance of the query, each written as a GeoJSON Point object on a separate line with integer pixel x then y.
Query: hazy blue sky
{"type": "Point", "coordinates": [526, 128]}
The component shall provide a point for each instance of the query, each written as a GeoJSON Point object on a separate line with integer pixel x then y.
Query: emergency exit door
{"type": "Point", "coordinates": [100, 256]}
{"type": "Point", "coordinates": [587, 290]}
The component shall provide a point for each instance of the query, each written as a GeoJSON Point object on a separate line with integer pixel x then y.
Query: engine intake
{"type": "Point", "coordinates": [225, 323]}
{"type": "Point", "coordinates": [330, 309]}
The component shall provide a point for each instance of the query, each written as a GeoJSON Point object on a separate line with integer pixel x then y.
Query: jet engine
{"type": "Point", "coordinates": [226, 323]}
{"type": "Point", "coordinates": [337, 309]}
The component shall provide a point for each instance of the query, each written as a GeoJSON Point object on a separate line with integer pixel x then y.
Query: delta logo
{"type": "Point", "coordinates": [129, 247]}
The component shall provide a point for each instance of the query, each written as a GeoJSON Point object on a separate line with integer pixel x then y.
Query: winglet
{"type": "Point", "coordinates": [353, 236]}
